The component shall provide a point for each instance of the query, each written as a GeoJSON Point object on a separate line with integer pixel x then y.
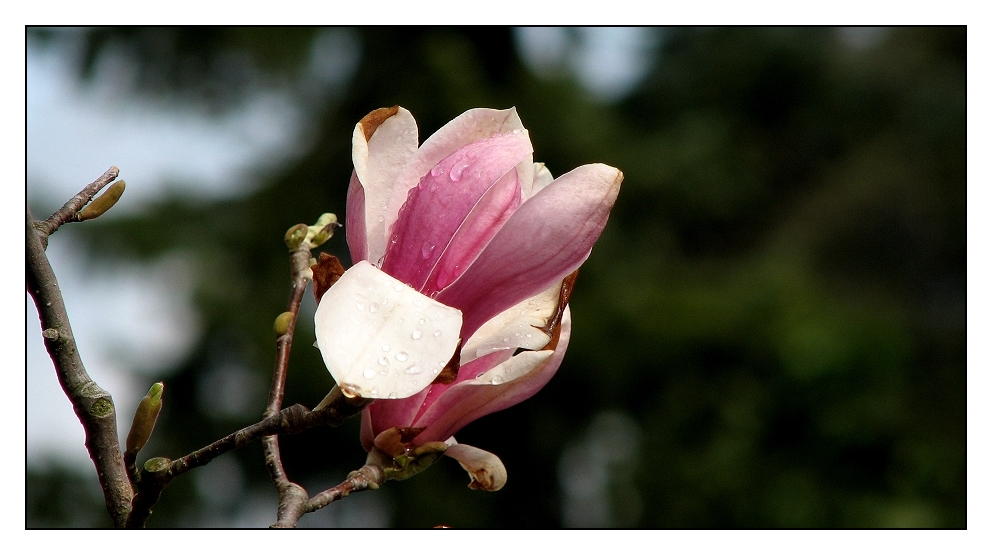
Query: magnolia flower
{"type": "Point", "coordinates": [465, 251]}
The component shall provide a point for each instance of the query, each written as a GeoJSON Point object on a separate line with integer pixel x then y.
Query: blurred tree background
{"type": "Point", "coordinates": [770, 333]}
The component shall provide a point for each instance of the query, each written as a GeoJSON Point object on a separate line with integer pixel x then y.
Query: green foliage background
{"type": "Point", "coordinates": [770, 333]}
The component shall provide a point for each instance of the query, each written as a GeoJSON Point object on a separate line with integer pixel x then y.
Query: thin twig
{"type": "Point", "coordinates": [71, 208]}
{"type": "Point", "coordinates": [291, 420]}
{"type": "Point", "coordinates": [93, 406]}
{"type": "Point", "coordinates": [370, 476]}
{"type": "Point", "coordinates": [292, 496]}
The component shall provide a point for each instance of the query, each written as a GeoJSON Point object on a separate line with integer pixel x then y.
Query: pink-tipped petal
{"type": "Point", "coordinates": [479, 227]}
{"type": "Point", "coordinates": [472, 125]}
{"type": "Point", "coordinates": [443, 199]}
{"type": "Point", "coordinates": [472, 399]}
{"type": "Point", "coordinates": [547, 238]}
{"type": "Point", "coordinates": [355, 221]}
{"type": "Point", "coordinates": [382, 144]}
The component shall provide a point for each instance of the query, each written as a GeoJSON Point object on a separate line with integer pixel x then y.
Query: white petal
{"type": "Point", "coordinates": [542, 178]}
{"type": "Point", "coordinates": [378, 160]}
{"type": "Point", "coordinates": [485, 469]}
{"type": "Point", "coordinates": [382, 339]}
{"type": "Point", "coordinates": [515, 327]}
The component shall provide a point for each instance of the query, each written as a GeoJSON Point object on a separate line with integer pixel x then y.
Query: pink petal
{"type": "Point", "coordinates": [471, 126]}
{"type": "Point", "coordinates": [389, 413]}
{"type": "Point", "coordinates": [355, 221]}
{"type": "Point", "coordinates": [446, 195]}
{"type": "Point", "coordinates": [486, 218]}
{"type": "Point", "coordinates": [547, 238]}
{"type": "Point", "coordinates": [382, 144]}
{"type": "Point", "coordinates": [469, 400]}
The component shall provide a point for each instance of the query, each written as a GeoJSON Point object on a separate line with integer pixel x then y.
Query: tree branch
{"type": "Point", "coordinates": [291, 420]}
{"type": "Point", "coordinates": [71, 208]}
{"type": "Point", "coordinates": [93, 406]}
{"type": "Point", "coordinates": [292, 496]}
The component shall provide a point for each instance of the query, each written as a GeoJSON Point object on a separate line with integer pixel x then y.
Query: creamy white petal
{"type": "Point", "coordinates": [380, 338]}
{"type": "Point", "coordinates": [514, 328]}
{"type": "Point", "coordinates": [484, 468]}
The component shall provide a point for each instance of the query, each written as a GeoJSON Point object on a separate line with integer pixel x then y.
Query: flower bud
{"type": "Point", "coordinates": [295, 235]}
{"type": "Point", "coordinates": [323, 230]}
{"type": "Point", "coordinates": [281, 325]}
{"type": "Point", "coordinates": [144, 419]}
{"type": "Point", "coordinates": [104, 202]}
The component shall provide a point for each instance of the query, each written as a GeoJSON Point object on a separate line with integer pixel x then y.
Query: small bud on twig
{"type": "Point", "coordinates": [102, 203]}
{"type": "Point", "coordinates": [323, 229]}
{"type": "Point", "coordinates": [144, 419]}
{"type": "Point", "coordinates": [295, 235]}
{"type": "Point", "coordinates": [281, 325]}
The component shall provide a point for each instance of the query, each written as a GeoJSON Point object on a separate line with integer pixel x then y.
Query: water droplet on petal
{"type": "Point", "coordinates": [530, 335]}
{"type": "Point", "coordinates": [426, 251]}
{"type": "Point", "coordinates": [374, 391]}
{"type": "Point", "coordinates": [383, 361]}
{"type": "Point", "coordinates": [373, 307]}
{"type": "Point", "coordinates": [457, 171]}
{"type": "Point", "coordinates": [436, 171]}
{"type": "Point", "coordinates": [392, 395]}
{"type": "Point", "coordinates": [437, 333]}
{"type": "Point", "coordinates": [417, 334]}
{"type": "Point", "coordinates": [360, 306]}
{"type": "Point", "coordinates": [415, 369]}
{"type": "Point", "coordinates": [401, 356]}
{"type": "Point", "coordinates": [382, 219]}
{"type": "Point", "coordinates": [516, 131]}
{"type": "Point", "coordinates": [369, 373]}
{"type": "Point", "coordinates": [385, 347]}
{"type": "Point", "coordinates": [506, 340]}
{"type": "Point", "coordinates": [496, 380]}
{"type": "Point", "coordinates": [437, 370]}
{"type": "Point", "coordinates": [422, 321]}
{"type": "Point", "coordinates": [398, 287]}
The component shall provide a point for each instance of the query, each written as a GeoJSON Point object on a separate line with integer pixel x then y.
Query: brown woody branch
{"type": "Point", "coordinates": [70, 209]}
{"type": "Point", "coordinates": [291, 495]}
{"type": "Point", "coordinates": [93, 406]}
{"type": "Point", "coordinates": [291, 420]}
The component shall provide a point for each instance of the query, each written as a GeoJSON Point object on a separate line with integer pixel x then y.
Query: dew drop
{"type": "Point", "coordinates": [382, 219]}
{"type": "Point", "coordinates": [383, 361]}
{"type": "Point", "coordinates": [369, 373]}
{"type": "Point", "coordinates": [385, 347]}
{"type": "Point", "coordinates": [374, 391]}
{"type": "Point", "coordinates": [373, 307]}
{"type": "Point", "coordinates": [422, 321]}
{"type": "Point", "coordinates": [437, 333]}
{"type": "Point", "coordinates": [418, 303]}
{"type": "Point", "coordinates": [426, 250]}
{"type": "Point", "coordinates": [436, 171]}
{"type": "Point", "coordinates": [496, 380]}
{"type": "Point", "coordinates": [437, 370]}
{"type": "Point", "coordinates": [392, 395]}
{"type": "Point", "coordinates": [457, 171]}
{"type": "Point", "coordinates": [516, 131]}
{"type": "Point", "coordinates": [530, 335]}
{"type": "Point", "coordinates": [398, 287]}
{"type": "Point", "coordinates": [360, 306]}
{"type": "Point", "coordinates": [506, 340]}
{"type": "Point", "coordinates": [417, 334]}
{"type": "Point", "coordinates": [401, 356]}
{"type": "Point", "coordinates": [414, 369]}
